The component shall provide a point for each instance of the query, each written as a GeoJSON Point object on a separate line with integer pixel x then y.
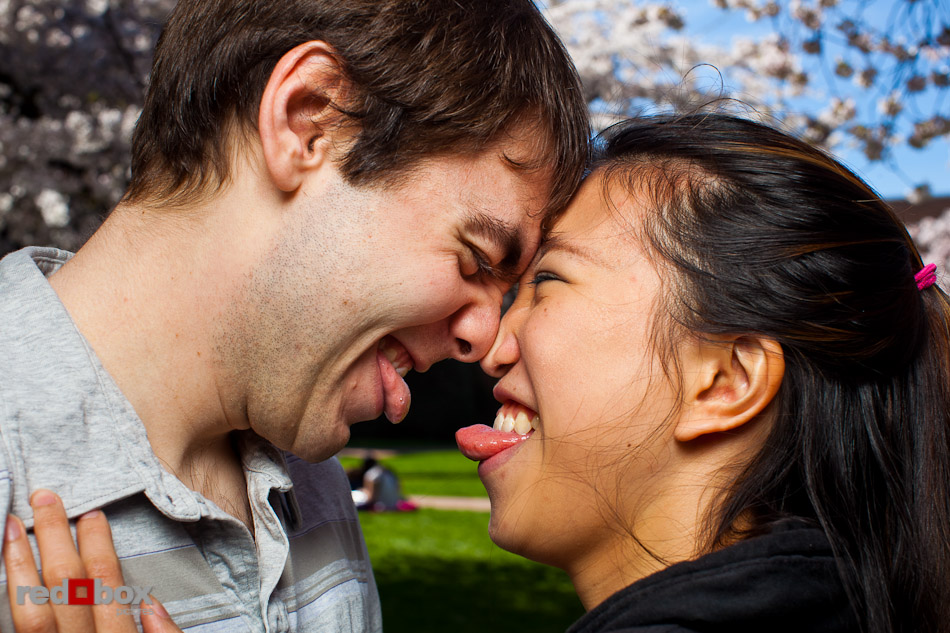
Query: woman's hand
{"type": "Point", "coordinates": [59, 559]}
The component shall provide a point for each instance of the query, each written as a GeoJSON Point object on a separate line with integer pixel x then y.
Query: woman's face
{"type": "Point", "coordinates": [576, 349]}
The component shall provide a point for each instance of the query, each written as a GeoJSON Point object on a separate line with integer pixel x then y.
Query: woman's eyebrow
{"type": "Point", "coordinates": [553, 242]}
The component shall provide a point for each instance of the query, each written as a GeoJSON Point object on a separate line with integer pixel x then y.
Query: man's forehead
{"type": "Point", "coordinates": [520, 197]}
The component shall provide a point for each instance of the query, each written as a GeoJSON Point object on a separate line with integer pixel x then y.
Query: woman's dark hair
{"type": "Point", "coordinates": [425, 77]}
{"type": "Point", "coordinates": [765, 234]}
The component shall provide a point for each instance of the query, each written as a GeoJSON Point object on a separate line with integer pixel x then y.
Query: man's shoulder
{"type": "Point", "coordinates": [36, 332]}
{"type": "Point", "coordinates": [58, 408]}
{"type": "Point", "coordinates": [23, 272]}
{"type": "Point", "coordinates": [46, 362]}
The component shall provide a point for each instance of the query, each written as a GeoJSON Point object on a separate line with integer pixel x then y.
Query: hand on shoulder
{"type": "Point", "coordinates": [32, 609]}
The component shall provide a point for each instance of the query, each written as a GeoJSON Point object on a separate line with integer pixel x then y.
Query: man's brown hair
{"type": "Point", "coordinates": [424, 77]}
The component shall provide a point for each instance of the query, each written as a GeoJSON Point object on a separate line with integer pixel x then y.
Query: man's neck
{"type": "Point", "coordinates": [216, 471]}
{"type": "Point", "coordinates": [144, 292]}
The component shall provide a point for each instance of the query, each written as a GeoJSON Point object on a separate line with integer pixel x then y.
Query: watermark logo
{"type": "Point", "coordinates": [85, 591]}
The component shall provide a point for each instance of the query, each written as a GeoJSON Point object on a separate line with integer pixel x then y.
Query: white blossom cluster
{"type": "Point", "coordinates": [633, 57]}
{"type": "Point", "coordinates": [72, 75]}
{"type": "Point", "coordinates": [932, 236]}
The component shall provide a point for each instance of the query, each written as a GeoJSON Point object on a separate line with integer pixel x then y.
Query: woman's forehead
{"type": "Point", "coordinates": [601, 209]}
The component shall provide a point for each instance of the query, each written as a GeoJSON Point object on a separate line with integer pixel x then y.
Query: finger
{"type": "Point", "coordinates": [100, 561]}
{"type": "Point", "coordinates": [155, 619]}
{"type": "Point", "coordinates": [59, 559]}
{"type": "Point", "coordinates": [21, 574]}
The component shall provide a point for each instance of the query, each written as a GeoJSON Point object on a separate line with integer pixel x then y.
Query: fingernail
{"type": "Point", "coordinates": [158, 609]}
{"type": "Point", "coordinates": [13, 530]}
{"type": "Point", "coordinates": [42, 498]}
{"type": "Point", "coordinates": [92, 514]}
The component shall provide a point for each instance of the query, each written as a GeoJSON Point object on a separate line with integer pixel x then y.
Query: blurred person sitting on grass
{"type": "Point", "coordinates": [376, 488]}
{"type": "Point", "coordinates": [324, 196]}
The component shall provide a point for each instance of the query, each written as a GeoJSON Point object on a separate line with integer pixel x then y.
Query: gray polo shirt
{"type": "Point", "coordinates": [64, 425]}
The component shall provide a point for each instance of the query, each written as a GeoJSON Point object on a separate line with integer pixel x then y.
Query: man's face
{"type": "Point", "coordinates": [362, 284]}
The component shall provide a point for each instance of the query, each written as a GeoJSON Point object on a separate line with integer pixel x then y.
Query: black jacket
{"type": "Point", "coordinates": [783, 581]}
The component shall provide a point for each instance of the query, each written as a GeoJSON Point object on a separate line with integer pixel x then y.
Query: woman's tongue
{"type": "Point", "coordinates": [513, 425]}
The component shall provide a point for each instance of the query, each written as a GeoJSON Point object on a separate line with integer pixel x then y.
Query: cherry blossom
{"type": "Point", "coordinates": [72, 75]}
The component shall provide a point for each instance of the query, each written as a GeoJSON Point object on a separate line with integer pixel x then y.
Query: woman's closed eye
{"type": "Point", "coordinates": [541, 276]}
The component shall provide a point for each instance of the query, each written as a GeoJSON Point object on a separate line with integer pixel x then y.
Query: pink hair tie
{"type": "Point", "coordinates": [926, 277]}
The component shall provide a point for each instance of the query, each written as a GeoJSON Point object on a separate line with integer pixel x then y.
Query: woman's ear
{"type": "Point", "coordinates": [297, 113]}
{"type": "Point", "coordinates": [728, 380]}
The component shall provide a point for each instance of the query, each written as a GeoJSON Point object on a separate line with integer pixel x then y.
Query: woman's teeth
{"type": "Point", "coordinates": [519, 423]}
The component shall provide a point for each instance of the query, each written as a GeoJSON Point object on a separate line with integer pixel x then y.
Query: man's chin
{"type": "Point", "coordinates": [321, 448]}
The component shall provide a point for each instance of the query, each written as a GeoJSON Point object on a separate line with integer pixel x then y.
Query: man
{"type": "Point", "coordinates": [325, 195]}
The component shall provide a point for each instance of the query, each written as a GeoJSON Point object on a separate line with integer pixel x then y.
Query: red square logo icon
{"type": "Point", "coordinates": [81, 591]}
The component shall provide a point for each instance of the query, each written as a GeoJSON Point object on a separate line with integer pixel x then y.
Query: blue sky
{"type": "Point", "coordinates": [931, 164]}
{"type": "Point", "coordinates": [908, 167]}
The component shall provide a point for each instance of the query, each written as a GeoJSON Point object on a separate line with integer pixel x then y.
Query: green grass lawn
{"type": "Point", "coordinates": [438, 572]}
{"type": "Point", "coordinates": [432, 472]}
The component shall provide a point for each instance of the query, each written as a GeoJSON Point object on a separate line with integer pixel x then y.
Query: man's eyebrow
{"type": "Point", "coordinates": [503, 235]}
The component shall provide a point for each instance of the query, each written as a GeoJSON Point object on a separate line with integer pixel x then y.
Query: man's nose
{"type": "Point", "coordinates": [475, 324]}
{"type": "Point", "coordinates": [505, 351]}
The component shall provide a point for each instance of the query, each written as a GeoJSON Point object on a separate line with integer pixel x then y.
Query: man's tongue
{"type": "Point", "coordinates": [396, 394]}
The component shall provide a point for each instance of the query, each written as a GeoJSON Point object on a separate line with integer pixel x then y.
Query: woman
{"type": "Point", "coordinates": [725, 394]}
{"type": "Point", "coordinates": [725, 398]}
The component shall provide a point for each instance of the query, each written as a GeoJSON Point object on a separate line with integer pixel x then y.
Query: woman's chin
{"type": "Point", "coordinates": [501, 534]}
{"type": "Point", "coordinates": [510, 535]}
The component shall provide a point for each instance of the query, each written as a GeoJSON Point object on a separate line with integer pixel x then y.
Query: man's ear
{"type": "Point", "coordinates": [727, 382]}
{"type": "Point", "coordinates": [296, 113]}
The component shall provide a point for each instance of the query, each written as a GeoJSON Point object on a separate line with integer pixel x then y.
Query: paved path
{"type": "Point", "coordinates": [476, 504]}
